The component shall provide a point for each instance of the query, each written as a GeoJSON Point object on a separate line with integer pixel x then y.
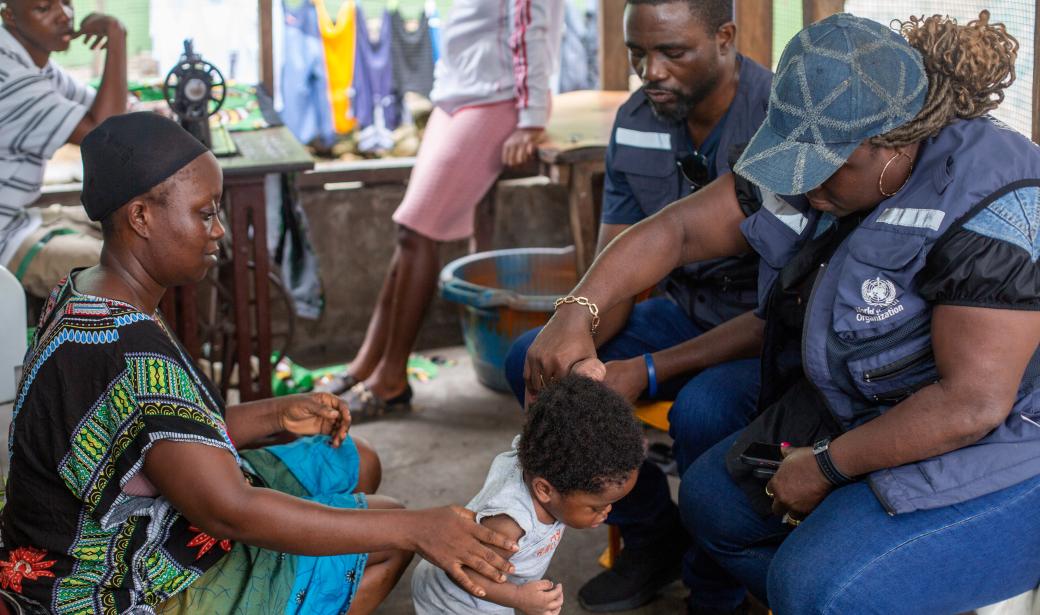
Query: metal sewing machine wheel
{"type": "Point", "coordinates": [195, 90]}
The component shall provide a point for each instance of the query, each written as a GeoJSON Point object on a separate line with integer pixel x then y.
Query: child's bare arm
{"type": "Point", "coordinates": [534, 598]}
{"type": "Point", "coordinates": [505, 594]}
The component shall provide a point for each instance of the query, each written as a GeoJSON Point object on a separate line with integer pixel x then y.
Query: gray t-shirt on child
{"type": "Point", "coordinates": [504, 493]}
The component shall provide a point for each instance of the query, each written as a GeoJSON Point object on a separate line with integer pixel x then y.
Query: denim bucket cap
{"type": "Point", "coordinates": [840, 81]}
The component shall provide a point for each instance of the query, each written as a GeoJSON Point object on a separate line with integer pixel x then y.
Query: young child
{"type": "Point", "coordinates": [579, 452]}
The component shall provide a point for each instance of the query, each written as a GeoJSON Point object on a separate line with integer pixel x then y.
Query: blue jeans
{"type": "Point", "coordinates": [708, 407]}
{"type": "Point", "coordinates": [850, 556]}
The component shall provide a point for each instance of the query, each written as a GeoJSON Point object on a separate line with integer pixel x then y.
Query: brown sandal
{"type": "Point", "coordinates": [337, 384]}
{"type": "Point", "coordinates": [364, 404]}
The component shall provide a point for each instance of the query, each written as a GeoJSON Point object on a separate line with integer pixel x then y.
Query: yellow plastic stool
{"type": "Point", "coordinates": [654, 414]}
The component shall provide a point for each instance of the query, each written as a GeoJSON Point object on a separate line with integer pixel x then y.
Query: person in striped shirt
{"type": "Point", "coordinates": [41, 109]}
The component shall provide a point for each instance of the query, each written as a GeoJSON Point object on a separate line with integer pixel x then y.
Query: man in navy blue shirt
{"type": "Point", "coordinates": [700, 102]}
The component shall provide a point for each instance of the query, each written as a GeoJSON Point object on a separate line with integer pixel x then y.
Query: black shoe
{"type": "Point", "coordinates": [635, 579]}
{"type": "Point", "coordinates": [662, 456]}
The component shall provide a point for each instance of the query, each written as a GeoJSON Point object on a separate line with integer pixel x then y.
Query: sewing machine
{"type": "Point", "coordinates": [195, 90]}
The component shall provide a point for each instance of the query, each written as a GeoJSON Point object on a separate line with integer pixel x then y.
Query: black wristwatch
{"type": "Point", "coordinates": [821, 450]}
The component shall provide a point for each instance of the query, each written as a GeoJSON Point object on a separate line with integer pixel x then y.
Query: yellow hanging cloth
{"type": "Point", "coordinates": [339, 41]}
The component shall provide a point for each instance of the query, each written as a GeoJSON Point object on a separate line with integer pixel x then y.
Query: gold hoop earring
{"type": "Point", "coordinates": [881, 178]}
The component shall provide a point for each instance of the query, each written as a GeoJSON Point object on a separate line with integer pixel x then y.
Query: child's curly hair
{"type": "Point", "coordinates": [581, 436]}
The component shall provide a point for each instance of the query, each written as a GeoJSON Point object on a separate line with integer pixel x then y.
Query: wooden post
{"type": "Point", "coordinates": [613, 57]}
{"type": "Point", "coordinates": [484, 223]}
{"type": "Point", "coordinates": [755, 30]}
{"type": "Point", "coordinates": [815, 10]}
{"type": "Point", "coordinates": [266, 47]}
{"type": "Point", "coordinates": [1036, 74]}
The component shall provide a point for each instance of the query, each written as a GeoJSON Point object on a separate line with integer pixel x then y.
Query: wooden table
{"type": "Point", "coordinates": [272, 150]}
{"type": "Point", "coordinates": [574, 155]}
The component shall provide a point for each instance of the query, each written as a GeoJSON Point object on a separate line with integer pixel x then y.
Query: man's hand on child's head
{"type": "Point", "coordinates": [590, 368]}
{"type": "Point", "coordinates": [541, 597]}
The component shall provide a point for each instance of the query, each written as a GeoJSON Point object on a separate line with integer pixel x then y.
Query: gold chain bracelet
{"type": "Point", "coordinates": [593, 309]}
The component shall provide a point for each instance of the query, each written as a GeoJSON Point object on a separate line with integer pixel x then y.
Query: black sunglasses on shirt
{"type": "Point", "coordinates": [694, 168]}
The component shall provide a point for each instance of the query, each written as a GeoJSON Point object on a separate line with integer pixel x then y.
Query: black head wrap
{"type": "Point", "coordinates": [128, 155]}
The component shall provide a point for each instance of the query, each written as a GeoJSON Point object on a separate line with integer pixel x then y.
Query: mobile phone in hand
{"type": "Point", "coordinates": [762, 455]}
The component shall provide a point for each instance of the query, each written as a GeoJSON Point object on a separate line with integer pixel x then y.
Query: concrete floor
{"type": "Point", "coordinates": [439, 454]}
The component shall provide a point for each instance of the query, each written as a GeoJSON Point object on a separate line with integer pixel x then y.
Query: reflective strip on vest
{"type": "Point", "coordinates": [645, 140]}
{"type": "Point", "coordinates": [784, 211]}
{"type": "Point", "coordinates": [913, 218]}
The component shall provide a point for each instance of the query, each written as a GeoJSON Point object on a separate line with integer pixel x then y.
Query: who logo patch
{"type": "Point", "coordinates": [881, 298]}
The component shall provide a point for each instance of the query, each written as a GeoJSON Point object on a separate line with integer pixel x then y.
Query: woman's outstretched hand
{"type": "Point", "coordinates": [450, 538]}
{"type": "Point", "coordinates": [315, 413]}
{"type": "Point", "coordinates": [561, 345]}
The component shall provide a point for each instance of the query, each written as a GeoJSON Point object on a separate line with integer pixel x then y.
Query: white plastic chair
{"type": "Point", "coordinates": [12, 352]}
{"type": "Point", "coordinates": [12, 334]}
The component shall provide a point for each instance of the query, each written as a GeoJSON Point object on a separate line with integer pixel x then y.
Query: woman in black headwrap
{"type": "Point", "coordinates": [128, 491]}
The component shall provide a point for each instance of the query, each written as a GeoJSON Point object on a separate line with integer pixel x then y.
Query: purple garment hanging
{"type": "Point", "coordinates": [412, 54]}
{"type": "Point", "coordinates": [375, 103]}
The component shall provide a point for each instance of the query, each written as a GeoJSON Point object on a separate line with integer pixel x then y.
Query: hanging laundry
{"type": "Point", "coordinates": [412, 54]}
{"type": "Point", "coordinates": [339, 39]}
{"type": "Point", "coordinates": [306, 109]}
{"type": "Point", "coordinates": [579, 66]}
{"type": "Point", "coordinates": [376, 105]}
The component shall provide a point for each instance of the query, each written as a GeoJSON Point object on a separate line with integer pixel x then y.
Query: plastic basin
{"type": "Point", "coordinates": [501, 295]}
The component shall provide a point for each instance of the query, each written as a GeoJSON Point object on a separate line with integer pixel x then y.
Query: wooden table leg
{"type": "Point", "coordinates": [484, 222]}
{"type": "Point", "coordinates": [246, 208]}
{"type": "Point", "coordinates": [580, 181]}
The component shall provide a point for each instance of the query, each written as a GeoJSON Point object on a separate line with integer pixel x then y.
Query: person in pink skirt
{"type": "Point", "coordinates": [491, 104]}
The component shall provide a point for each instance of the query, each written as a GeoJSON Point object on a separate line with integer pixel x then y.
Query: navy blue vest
{"type": "Point", "coordinates": [645, 153]}
{"type": "Point", "coordinates": [866, 341]}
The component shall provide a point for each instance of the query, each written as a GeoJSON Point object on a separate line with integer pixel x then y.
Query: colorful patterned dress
{"type": "Point", "coordinates": [84, 531]}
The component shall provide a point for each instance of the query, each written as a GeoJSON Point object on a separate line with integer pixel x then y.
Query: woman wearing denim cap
{"type": "Point", "coordinates": [901, 293]}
